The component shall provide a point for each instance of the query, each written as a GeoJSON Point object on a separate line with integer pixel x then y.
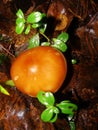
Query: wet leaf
{"type": "Point", "coordinates": [3, 90]}
{"type": "Point", "coordinates": [36, 25]}
{"type": "Point", "coordinates": [27, 29]}
{"type": "Point", "coordinates": [20, 20]}
{"type": "Point", "coordinates": [59, 45]}
{"type": "Point", "coordinates": [34, 41]}
{"type": "Point", "coordinates": [46, 98]}
{"type": "Point", "coordinates": [50, 114]}
{"type": "Point", "coordinates": [47, 114]}
{"type": "Point", "coordinates": [42, 28]}
{"type": "Point", "coordinates": [34, 17]}
{"type": "Point", "coordinates": [63, 37]}
{"type": "Point", "coordinates": [45, 43]}
{"type": "Point", "coordinates": [55, 110]}
{"type": "Point", "coordinates": [67, 107]}
{"type": "Point", "coordinates": [20, 13]}
{"type": "Point", "coordinates": [20, 28]}
{"type": "Point", "coordinates": [54, 118]}
{"type": "Point", "coordinates": [73, 61]}
{"type": "Point", "coordinates": [10, 83]}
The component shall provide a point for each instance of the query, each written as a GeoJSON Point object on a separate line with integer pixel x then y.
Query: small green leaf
{"type": "Point", "coordinates": [41, 98]}
{"type": "Point", "coordinates": [42, 28]}
{"type": "Point", "coordinates": [63, 36]}
{"type": "Point", "coordinates": [10, 83]}
{"type": "Point", "coordinates": [50, 114]}
{"type": "Point", "coordinates": [54, 118]}
{"type": "Point", "coordinates": [36, 25]}
{"type": "Point", "coordinates": [20, 13]}
{"type": "Point", "coordinates": [43, 15]}
{"type": "Point", "coordinates": [47, 114]}
{"type": "Point", "coordinates": [20, 20]}
{"type": "Point", "coordinates": [59, 45]}
{"type": "Point", "coordinates": [20, 28]}
{"type": "Point", "coordinates": [34, 17]}
{"type": "Point", "coordinates": [55, 110]}
{"type": "Point", "coordinates": [3, 90]}
{"type": "Point", "coordinates": [34, 41]}
{"type": "Point", "coordinates": [73, 61]}
{"type": "Point", "coordinates": [46, 98]}
{"type": "Point", "coordinates": [67, 107]}
{"type": "Point", "coordinates": [45, 43]}
{"type": "Point", "coordinates": [27, 29]}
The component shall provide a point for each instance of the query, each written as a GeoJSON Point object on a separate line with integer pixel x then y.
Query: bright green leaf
{"type": "Point", "coordinates": [20, 13]}
{"type": "Point", "coordinates": [55, 110]}
{"type": "Point", "coordinates": [68, 104]}
{"type": "Point", "coordinates": [73, 61]}
{"type": "Point", "coordinates": [20, 28]}
{"type": "Point", "coordinates": [42, 28]}
{"type": "Point", "coordinates": [65, 101]}
{"type": "Point", "coordinates": [50, 114]}
{"type": "Point", "coordinates": [20, 20]}
{"type": "Point", "coordinates": [27, 29]}
{"type": "Point", "coordinates": [43, 15]}
{"type": "Point", "coordinates": [34, 41]}
{"type": "Point", "coordinates": [45, 43]}
{"type": "Point", "coordinates": [41, 98]}
{"type": "Point", "coordinates": [47, 114]}
{"type": "Point", "coordinates": [54, 118]}
{"type": "Point", "coordinates": [46, 98]}
{"type": "Point", "coordinates": [3, 90]}
{"type": "Point", "coordinates": [67, 111]}
{"type": "Point", "coordinates": [10, 83]}
{"type": "Point", "coordinates": [36, 25]}
{"type": "Point", "coordinates": [67, 107]}
{"type": "Point", "coordinates": [63, 36]}
{"type": "Point", "coordinates": [34, 17]}
{"type": "Point", "coordinates": [49, 98]}
{"type": "Point", "coordinates": [59, 45]}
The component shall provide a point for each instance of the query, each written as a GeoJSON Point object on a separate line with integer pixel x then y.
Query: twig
{"type": "Point", "coordinates": [2, 47]}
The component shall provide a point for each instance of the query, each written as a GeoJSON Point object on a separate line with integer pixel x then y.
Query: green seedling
{"type": "Point", "coordinates": [37, 20]}
{"type": "Point", "coordinates": [34, 20]}
{"type": "Point", "coordinates": [50, 114]}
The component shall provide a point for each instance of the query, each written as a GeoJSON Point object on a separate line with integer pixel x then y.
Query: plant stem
{"type": "Point", "coordinates": [45, 36]}
{"type": "Point", "coordinates": [1, 46]}
{"type": "Point", "coordinates": [72, 125]}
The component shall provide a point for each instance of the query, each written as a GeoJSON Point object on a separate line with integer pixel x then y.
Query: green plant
{"type": "Point", "coordinates": [50, 114]}
{"type": "Point", "coordinates": [37, 20]}
{"type": "Point", "coordinates": [33, 20]}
